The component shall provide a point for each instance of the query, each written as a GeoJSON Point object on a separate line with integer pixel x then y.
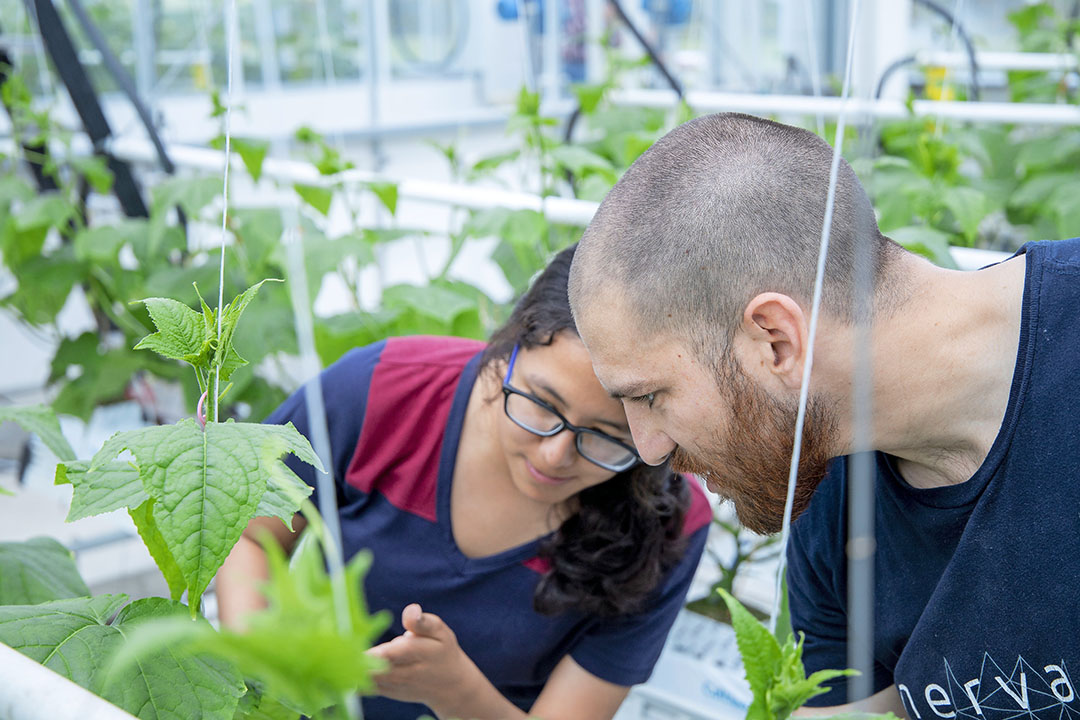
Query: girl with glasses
{"type": "Point", "coordinates": [533, 564]}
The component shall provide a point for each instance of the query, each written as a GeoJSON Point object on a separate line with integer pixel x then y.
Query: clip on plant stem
{"type": "Point", "coordinates": [200, 411]}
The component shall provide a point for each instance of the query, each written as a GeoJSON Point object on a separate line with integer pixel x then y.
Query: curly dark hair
{"type": "Point", "coordinates": [608, 557]}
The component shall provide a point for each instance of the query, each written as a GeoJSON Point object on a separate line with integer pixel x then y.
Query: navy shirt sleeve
{"type": "Point", "coordinates": [624, 650]}
{"type": "Point", "coordinates": [345, 387]}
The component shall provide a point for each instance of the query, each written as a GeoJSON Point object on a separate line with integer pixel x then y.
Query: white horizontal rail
{"type": "Point", "coordinates": [31, 691]}
{"type": "Point", "coordinates": [1048, 62]}
{"type": "Point", "coordinates": [559, 210]}
{"type": "Point", "coordinates": [556, 209]}
{"type": "Point", "coordinates": [994, 112]}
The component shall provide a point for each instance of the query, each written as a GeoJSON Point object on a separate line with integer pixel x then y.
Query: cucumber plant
{"type": "Point", "coordinates": [190, 489]}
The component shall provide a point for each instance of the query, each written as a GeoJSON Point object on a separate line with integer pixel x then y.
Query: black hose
{"type": "Point", "coordinates": [973, 64]}
{"type": "Point", "coordinates": [654, 58]}
{"type": "Point", "coordinates": [893, 67]}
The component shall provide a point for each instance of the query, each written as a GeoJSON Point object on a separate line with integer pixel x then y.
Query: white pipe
{"type": "Point", "coordinates": [998, 60]}
{"type": "Point", "coordinates": [556, 209]}
{"type": "Point", "coordinates": [560, 210]}
{"type": "Point", "coordinates": [994, 112]}
{"type": "Point", "coordinates": [31, 691]}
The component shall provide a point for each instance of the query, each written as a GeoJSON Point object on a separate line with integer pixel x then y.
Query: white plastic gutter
{"type": "Point", "coordinates": [1048, 62]}
{"type": "Point", "coordinates": [992, 112]}
{"type": "Point", "coordinates": [560, 210]}
{"type": "Point", "coordinates": [31, 691]}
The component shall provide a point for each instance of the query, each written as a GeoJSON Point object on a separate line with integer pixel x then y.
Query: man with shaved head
{"type": "Point", "coordinates": [692, 290]}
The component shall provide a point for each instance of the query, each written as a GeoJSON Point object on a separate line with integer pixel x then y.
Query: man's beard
{"type": "Point", "coordinates": [748, 463]}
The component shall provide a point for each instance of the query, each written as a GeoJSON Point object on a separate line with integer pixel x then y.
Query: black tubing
{"type": "Point", "coordinates": [973, 64]}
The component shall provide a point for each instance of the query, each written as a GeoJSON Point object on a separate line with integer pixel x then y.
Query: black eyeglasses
{"type": "Point", "coordinates": [533, 414]}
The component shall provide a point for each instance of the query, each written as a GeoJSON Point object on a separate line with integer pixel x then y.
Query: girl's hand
{"type": "Point", "coordinates": [426, 663]}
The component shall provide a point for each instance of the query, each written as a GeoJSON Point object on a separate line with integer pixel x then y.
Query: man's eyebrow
{"type": "Point", "coordinates": [631, 389]}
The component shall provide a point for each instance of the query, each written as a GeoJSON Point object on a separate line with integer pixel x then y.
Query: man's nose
{"type": "Point", "coordinates": [652, 443]}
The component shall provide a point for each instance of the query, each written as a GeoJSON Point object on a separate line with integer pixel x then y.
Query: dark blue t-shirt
{"type": "Point", "coordinates": [395, 411]}
{"type": "Point", "coordinates": [977, 585]}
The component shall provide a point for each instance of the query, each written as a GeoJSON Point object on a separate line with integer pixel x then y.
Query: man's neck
{"type": "Point", "coordinates": [943, 365]}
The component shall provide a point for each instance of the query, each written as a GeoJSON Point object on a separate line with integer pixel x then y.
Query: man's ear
{"type": "Point", "coordinates": [778, 332]}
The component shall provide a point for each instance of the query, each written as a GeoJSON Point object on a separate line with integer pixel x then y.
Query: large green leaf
{"type": "Point", "coordinates": [110, 487]}
{"type": "Point", "coordinates": [143, 517]}
{"type": "Point", "coordinates": [206, 485]}
{"type": "Point", "coordinates": [294, 649]}
{"type": "Point", "coordinates": [36, 571]}
{"type": "Point", "coordinates": [76, 639]}
{"type": "Point", "coordinates": [40, 420]}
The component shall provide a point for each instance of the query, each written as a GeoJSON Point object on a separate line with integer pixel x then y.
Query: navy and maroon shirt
{"type": "Point", "coordinates": [395, 411]}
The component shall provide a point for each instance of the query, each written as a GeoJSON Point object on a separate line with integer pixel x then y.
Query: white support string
{"type": "Point", "coordinates": [800, 421]}
{"type": "Point", "coordinates": [230, 41]}
{"type": "Point", "coordinates": [812, 58]}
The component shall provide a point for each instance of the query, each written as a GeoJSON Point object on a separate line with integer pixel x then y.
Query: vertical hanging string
{"type": "Point", "coordinates": [230, 38]}
{"type": "Point", "coordinates": [314, 404]}
{"type": "Point", "coordinates": [812, 58]}
{"type": "Point", "coordinates": [823, 252]}
{"type": "Point", "coordinates": [953, 34]}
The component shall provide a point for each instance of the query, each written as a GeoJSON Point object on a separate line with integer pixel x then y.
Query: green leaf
{"type": "Point", "coordinates": [36, 571]}
{"type": "Point", "coordinates": [163, 683]}
{"type": "Point", "coordinates": [258, 232]}
{"type": "Point", "coordinates": [969, 207]}
{"type": "Point", "coordinates": [256, 705]}
{"type": "Point", "coordinates": [589, 96]}
{"type": "Point", "coordinates": [181, 331]}
{"type": "Point", "coordinates": [190, 194]}
{"type": "Point", "coordinates": [315, 196]}
{"type": "Point", "coordinates": [113, 486]}
{"type": "Point", "coordinates": [44, 211]}
{"type": "Point", "coordinates": [528, 103]}
{"type": "Point", "coordinates": [285, 492]}
{"type": "Point", "coordinates": [490, 163]}
{"type": "Point", "coordinates": [71, 637]}
{"type": "Point", "coordinates": [229, 360]}
{"type": "Point", "coordinates": [580, 161]}
{"type": "Point", "coordinates": [40, 420]}
{"type": "Point", "coordinates": [73, 351]}
{"type": "Point", "coordinates": [759, 649]}
{"type": "Point", "coordinates": [103, 379]}
{"type": "Point", "coordinates": [206, 485]}
{"type": "Point", "coordinates": [1064, 209]}
{"type": "Point", "coordinates": [102, 244]}
{"type": "Point", "coordinates": [44, 286]}
{"type": "Point", "coordinates": [252, 152]}
{"type": "Point", "coordinates": [926, 241]}
{"type": "Point", "coordinates": [143, 517]}
{"type": "Point", "coordinates": [430, 301]}
{"type": "Point", "coordinates": [387, 192]}
{"type": "Point", "coordinates": [95, 170]}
